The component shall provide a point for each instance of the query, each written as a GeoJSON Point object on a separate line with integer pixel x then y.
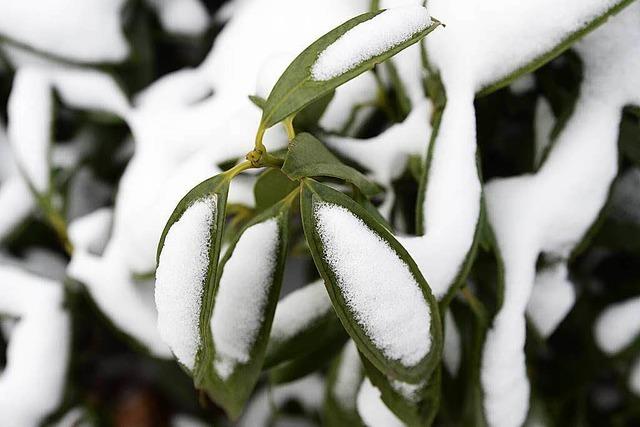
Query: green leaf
{"type": "Point", "coordinates": [308, 157]}
{"type": "Point", "coordinates": [308, 118]}
{"type": "Point", "coordinates": [257, 101]}
{"type": "Point", "coordinates": [231, 390]}
{"type": "Point", "coordinates": [296, 88]}
{"type": "Point", "coordinates": [271, 187]}
{"type": "Point", "coordinates": [315, 194]}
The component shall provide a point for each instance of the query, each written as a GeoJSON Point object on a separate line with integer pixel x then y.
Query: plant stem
{"type": "Point", "coordinates": [57, 223]}
{"type": "Point", "coordinates": [288, 125]}
{"type": "Point", "coordinates": [240, 167]}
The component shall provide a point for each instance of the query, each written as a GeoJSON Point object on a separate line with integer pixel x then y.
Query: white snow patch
{"type": "Point", "coordinates": [371, 38]}
{"type": "Point", "coordinates": [29, 109]}
{"type": "Point", "coordinates": [452, 348]}
{"type": "Point", "coordinates": [544, 121]}
{"type": "Point", "coordinates": [245, 282]}
{"type": "Point", "coordinates": [618, 325]}
{"type": "Point", "coordinates": [550, 211]}
{"type": "Point", "coordinates": [523, 84]}
{"type": "Point", "coordinates": [552, 297]}
{"type": "Point", "coordinates": [181, 276]}
{"type": "Point", "coordinates": [184, 17]}
{"type": "Point", "coordinates": [84, 31]}
{"type": "Point", "coordinates": [298, 310]}
{"type": "Point", "coordinates": [32, 382]}
{"type": "Point", "coordinates": [378, 287]}
{"type": "Point", "coordinates": [372, 410]}
{"type": "Point", "coordinates": [348, 377]}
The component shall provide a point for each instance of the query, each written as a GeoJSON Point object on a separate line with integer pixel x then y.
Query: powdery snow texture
{"type": "Point", "coordinates": [242, 295]}
{"type": "Point", "coordinates": [378, 287]}
{"type": "Point", "coordinates": [181, 276]}
{"type": "Point", "coordinates": [371, 38]}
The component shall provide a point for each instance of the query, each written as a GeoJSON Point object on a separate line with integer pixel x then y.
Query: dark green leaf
{"type": "Point", "coordinates": [232, 391]}
{"type": "Point", "coordinates": [296, 88]}
{"type": "Point", "coordinates": [308, 157]}
{"type": "Point", "coordinates": [308, 118]}
{"type": "Point", "coordinates": [314, 193]}
{"type": "Point", "coordinates": [338, 413]}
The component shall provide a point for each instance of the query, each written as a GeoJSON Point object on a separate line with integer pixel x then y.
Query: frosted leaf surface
{"type": "Point", "coordinates": [368, 39]}
{"type": "Point", "coordinates": [245, 282]}
{"type": "Point", "coordinates": [181, 277]}
{"type": "Point", "coordinates": [378, 287]}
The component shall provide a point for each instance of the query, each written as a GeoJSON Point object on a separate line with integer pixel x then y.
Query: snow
{"type": "Point", "coordinates": [246, 281]}
{"type": "Point", "coordinates": [298, 310]}
{"type": "Point", "coordinates": [16, 203]}
{"type": "Point", "coordinates": [551, 210]}
{"type": "Point", "coordinates": [378, 287]}
{"type": "Point", "coordinates": [91, 232]}
{"type": "Point", "coordinates": [452, 348]}
{"type": "Point", "coordinates": [85, 31]}
{"type": "Point", "coordinates": [552, 297]}
{"type": "Point", "coordinates": [368, 39]}
{"type": "Point", "coordinates": [618, 326]}
{"type": "Point", "coordinates": [181, 276]}
{"type": "Point", "coordinates": [372, 410]}
{"type": "Point", "coordinates": [523, 84]}
{"type": "Point", "coordinates": [29, 109]}
{"type": "Point", "coordinates": [32, 382]}
{"type": "Point", "coordinates": [126, 303]}
{"type": "Point", "coordinates": [308, 391]}
{"type": "Point", "coordinates": [182, 17]}
{"type": "Point", "coordinates": [544, 121]}
{"type": "Point", "coordinates": [634, 379]}
{"type": "Point", "coordinates": [348, 377]}
{"type": "Point", "coordinates": [407, 390]}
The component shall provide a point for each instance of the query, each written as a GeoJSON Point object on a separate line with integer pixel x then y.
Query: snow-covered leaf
{"type": "Point", "coordinates": [342, 54]}
{"type": "Point", "coordinates": [376, 288]}
{"type": "Point", "coordinates": [243, 303]}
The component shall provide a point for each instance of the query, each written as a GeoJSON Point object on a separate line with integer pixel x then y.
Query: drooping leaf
{"type": "Point", "coordinates": [271, 187]}
{"type": "Point", "coordinates": [358, 258]}
{"type": "Point", "coordinates": [297, 88]}
{"type": "Point", "coordinates": [242, 307]}
{"type": "Point", "coordinates": [308, 157]}
{"type": "Point", "coordinates": [188, 255]}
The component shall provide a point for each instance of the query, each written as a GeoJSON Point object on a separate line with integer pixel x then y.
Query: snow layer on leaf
{"type": "Point", "coordinates": [32, 382]}
{"type": "Point", "coordinates": [618, 325]}
{"type": "Point", "coordinates": [16, 203]}
{"type": "Point", "coordinates": [634, 378]}
{"type": "Point", "coordinates": [91, 232]}
{"type": "Point", "coordinates": [544, 121]}
{"type": "Point", "coordinates": [348, 377]}
{"type": "Point", "coordinates": [29, 109]}
{"type": "Point", "coordinates": [372, 410]}
{"type": "Point", "coordinates": [552, 297]}
{"type": "Point", "coordinates": [377, 286]}
{"type": "Point", "coordinates": [371, 38]}
{"type": "Point", "coordinates": [300, 309]}
{"type": "Point", "coordinates": [84, 31]}
{"type": "Point", "coordinates": [181, 276]}
{"type": "Point", "coordinates": [550, 211]}
{"type": "Point", "coordinates": [245, 282]}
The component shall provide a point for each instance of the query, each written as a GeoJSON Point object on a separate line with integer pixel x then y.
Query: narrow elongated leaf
{"type": "Point", "coordinates": [376, 289]}
{"type": "Point", "coordinates": [247, 286]}
{"type": "Point", "coordinates": [188, 255]}
{"type": "Point", "coordinates": [308, 157]}
{"type": "Point", "coordinates": [304, 322]}
{"type": "Point", "coordinates": [323, 66]}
